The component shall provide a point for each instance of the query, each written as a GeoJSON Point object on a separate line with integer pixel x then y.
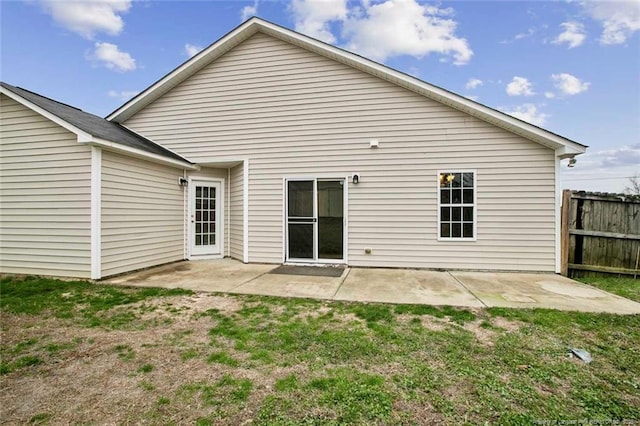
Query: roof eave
{"type": "Point", "coordinates": [87, 138]}
{"type": "Point", "coordinates": [138, 153]}
{"type": "Point", "coordinates": [254, 25]}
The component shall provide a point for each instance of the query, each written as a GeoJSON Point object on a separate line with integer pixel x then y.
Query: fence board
{"type": "Point", "coordinates": [602, 233]}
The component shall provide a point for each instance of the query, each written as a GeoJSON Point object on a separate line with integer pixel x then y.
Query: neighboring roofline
{"type": "Point", "coordinates": [254, 25]}
{"type": "Point", "coordinates": [86, 138]}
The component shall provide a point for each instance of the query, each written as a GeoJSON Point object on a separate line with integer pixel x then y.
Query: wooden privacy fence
{"type": "Point", "coordinates": [600, 233]}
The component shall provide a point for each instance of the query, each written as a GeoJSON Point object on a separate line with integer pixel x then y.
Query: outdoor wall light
{"type": "Point", "coordinates": [183, 182]}
{"type": "Point", "coordinates": [572, 162]}
{"type": "Point", "coordinates": [355, 179]}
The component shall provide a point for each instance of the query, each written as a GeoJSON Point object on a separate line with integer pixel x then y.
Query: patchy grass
{"type": "Point", "coordinates": [91, 305]}
{"type": "Point", "coordinates": [625, 287]}
{"type": "Point", "coordinates": [262, 360]}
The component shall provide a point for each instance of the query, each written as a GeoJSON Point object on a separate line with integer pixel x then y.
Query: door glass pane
{"type": "Point", "coordinates": [300, 240]}
{"type": "Point", "coordinates": [204, 217]}
{"type": "Point", "coordinates": [330, 219]}
{"type": "Point", "coordinates": [300, 198]}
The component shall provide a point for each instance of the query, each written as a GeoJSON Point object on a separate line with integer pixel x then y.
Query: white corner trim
{"type": "Point", "coordinates": [82, 135]}
{"type": "Point", "coordinates": [135, 152]}
{"type": "Point", "coordinates": [557, 210]}
{"type": "Point", "coordinates": [345, 225]}
{"type": "Point", "coordinates": [96, 207]}
{"type": "Point", "coordinates": [245, 211]}
{"type": "Point", "coordinates": [186, 214]}
{"type": "Point", "coordinates": [227, 206]}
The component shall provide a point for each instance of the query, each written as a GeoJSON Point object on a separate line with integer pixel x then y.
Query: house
{"type": "Point", "coordinates": [270, 146]}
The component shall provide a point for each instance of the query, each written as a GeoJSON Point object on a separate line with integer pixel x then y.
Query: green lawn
{"type": "Point", "coordinates": [75, 352]}
{"type": "Point", "coordinates": [625, 287]}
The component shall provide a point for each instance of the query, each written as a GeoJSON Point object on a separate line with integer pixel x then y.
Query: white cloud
{"type": "Point", "coordinates": [383, 29]}
{"type": "Point", "coordinates": [624, 155]}
{"type": "Point", "coordinates": [113, 58]}
{"type": "Point", "coordinates": [404, 27]}
{"type": "Point", "coordinates": [620, 19]}
{"type": "Point", "coordinates": [473, 83]}
{"type": "Point", "coordinates": [520, 86]}
{"type": "Point", "coordinates": [530, 32]}
{"type": "Point", "coordinates": [249, 11]}
{"type": "Point", "coordinates": [569, 84]}
{"type": "Point", "coordinates": [529, 113]}
{"type": "Point", "coordinates": [605, 170]}
{"type": "Point", "coordinates": [88, 17]}
{"type": "Point", "coordinates": [573, 34]}
{"type": "Point", "coordinates": [313, 17]}
{"type": "Point", "coordinates": [192, 49]}
{"type": "Point", "coordinates": [549, 95]}
{"type": "Point", "coordinates": [123, 95]}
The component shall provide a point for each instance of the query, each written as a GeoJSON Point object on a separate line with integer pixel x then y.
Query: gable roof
{"type": "Point", "coordinates": [564, 147]}
{"type": "Point", "coordinates": [88, 127]}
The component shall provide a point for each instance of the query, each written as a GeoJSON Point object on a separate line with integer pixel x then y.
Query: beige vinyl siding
{"type": "Point", "coordinates": [295, 113]}
{"type": "Point", "coordinates": [236, 216]}
{"type": "Point", "coordinates": [142, 214]}
{"type": "Point", "coordinates": [45, 188]}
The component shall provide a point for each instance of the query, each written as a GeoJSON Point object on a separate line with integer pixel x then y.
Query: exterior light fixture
{"type": "Point", "coordinates": [183, 182]}
{"type": "Point", "coordinates": [572, 162]}
{"type": "Point", "coordinates": [355, 179]}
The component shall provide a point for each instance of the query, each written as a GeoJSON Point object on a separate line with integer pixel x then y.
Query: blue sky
{"type": "Point", "coordinates": [572, 67]}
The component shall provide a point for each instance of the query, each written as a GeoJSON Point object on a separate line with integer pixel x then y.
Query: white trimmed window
{"type": "Point", "coordinates": [457, 205]}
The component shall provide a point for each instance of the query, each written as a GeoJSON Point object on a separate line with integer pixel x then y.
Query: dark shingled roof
{"type": "Point", "coordinates": [94, 125]}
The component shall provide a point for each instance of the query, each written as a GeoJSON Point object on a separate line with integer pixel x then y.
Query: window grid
{"type": "Point", "coordinates": [456, 205]}
{"type": "Point", "coordinates": [205, 212]}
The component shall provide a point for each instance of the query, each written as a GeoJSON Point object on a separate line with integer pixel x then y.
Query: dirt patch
{"type": "Point", "coordinates": [485, 336]}
{"type": "Point", "coordinates": [506, 324]}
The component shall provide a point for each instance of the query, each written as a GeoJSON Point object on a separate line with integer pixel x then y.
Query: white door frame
{"type": "Point", "coordinates": [220, 224]}
{"type": "Point", "coordinates": [345, 220]}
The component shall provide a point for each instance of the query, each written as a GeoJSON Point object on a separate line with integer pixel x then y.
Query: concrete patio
{"type": "Point", "coordinates": [455, 288]}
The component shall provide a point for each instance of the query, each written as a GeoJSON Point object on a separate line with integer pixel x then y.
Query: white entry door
{"type": "Point", "coordinates": [205, 217]}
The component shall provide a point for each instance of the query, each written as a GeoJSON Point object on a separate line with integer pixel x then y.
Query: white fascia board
{"type": "Point", "coordinates": [82, 135]}
{"type": "Point", "coordinates": [134, 152]}
{"type": "Point", "coordinates": [569, 151]}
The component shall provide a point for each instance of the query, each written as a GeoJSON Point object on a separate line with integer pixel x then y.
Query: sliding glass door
{"type": "Point", "coordinates": [315, 220]}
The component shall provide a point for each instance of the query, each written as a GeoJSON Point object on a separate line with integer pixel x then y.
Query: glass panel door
{"type": "Point", "coordinates": [301, 219]}
{"type": "Point", "coordinates": [205, 214]}
{"type": "Point", "coordinates": [330, 219]}
{"type": "Point", "coordinates": [315, 219]}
